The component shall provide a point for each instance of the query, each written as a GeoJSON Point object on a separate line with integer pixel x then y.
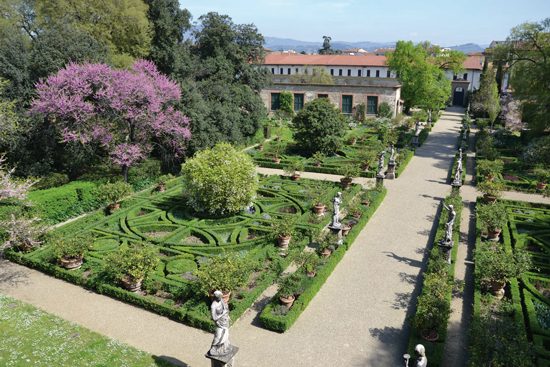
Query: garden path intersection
{"type": "Point", "coordinates": [358, 318]}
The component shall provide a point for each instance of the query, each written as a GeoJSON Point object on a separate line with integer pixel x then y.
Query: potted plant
{"type": "Point", "coordinates": [543, 175]}
{"type": "Point", "coordinates": [130, 264]}
{"type": "Point", "coordinates": [289, 287]}
{"type": "Point", "coordinates": [318, 158]}
{"type": "Point", "coordinates": [161, 183]}
{"type": "Point", "coordinates": [225, 273]}
{"type": "Point", "coordinates": [326, 245]}
{"type": "Point", "coordinates": [317, 194]}
{"type": "Point", "coordinates": [283, 229]}
{"type": "Point", "coordinates": [69, 251]}
{"type": "Point", "coordinates": [368, 158]}
{"type": "Point", "coordinates": [495, 266]}
{"type": "Point", "coordinates": [308, 261]}
{"type": "Point", "coordinates": [433, 308]}
{"type": "Point", "coordinates": [493, 218]}
{"type": "Point", "coordinates": [260, 147]}
{"type": "Point", "coordinates": [293, 169]}
{"type": "Point", "coordinates": [276, 148]}
{"type": "Point", "coordinates": [352, 140]}
{"type": "Point", "coordinates": [491, 190]}
{"type": "Point", "coordinates": [22, 234]}
{"type": "Point", "coordinates": [349, 171]}
{"type": "Point", "coordinates": [112, 194]}
{"type": "Point", "coordinates": [489, 169]}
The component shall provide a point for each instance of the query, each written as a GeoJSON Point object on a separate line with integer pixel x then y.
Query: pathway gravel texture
{"type": "Point", "coordinates": [357, 319]}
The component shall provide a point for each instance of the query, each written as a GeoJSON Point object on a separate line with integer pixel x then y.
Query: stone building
{"type": "Point", "coordinates": [354, 79]}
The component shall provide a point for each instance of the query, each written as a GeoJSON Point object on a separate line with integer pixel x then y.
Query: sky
{"type": "Point", "coordinates": [444, 22]}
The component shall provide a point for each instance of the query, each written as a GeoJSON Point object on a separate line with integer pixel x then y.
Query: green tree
{"type": "Point", "coordinates": [485, 101]}
{"type": "Point", "coordinates": [327, 48]}
{"type": "Point", "coordinates": [319, 127]}
{"type": "Point", "coordinates": [169, 23]}
{"type": "Point", "coordinates": [527, 50]}
{"type": "Point", "coordinates": [287, 105]}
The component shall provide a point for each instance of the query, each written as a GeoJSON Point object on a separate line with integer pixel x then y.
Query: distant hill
{"type": "Point", "coordinates": [280, 44]}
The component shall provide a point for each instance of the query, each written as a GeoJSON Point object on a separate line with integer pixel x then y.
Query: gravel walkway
{"type": "Point", "coordinates": [358, 317]}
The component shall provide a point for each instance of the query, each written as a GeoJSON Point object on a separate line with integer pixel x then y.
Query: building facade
{"type": "Point", "coordinates": [354, 80]}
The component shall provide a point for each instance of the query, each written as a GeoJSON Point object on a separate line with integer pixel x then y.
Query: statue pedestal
{"type": "Point", "coordinates": [446, 247]}
{"type": "Point", "coordinates": [380, 180]}
{"type": "Point", "coordinates": [390, 174]}
{"type": "Point", "coordinates": [226, 360]}
{"type": "Point", "coordinates": [415, 141]}
{"type": "Point", "coordinates": [456, 184]}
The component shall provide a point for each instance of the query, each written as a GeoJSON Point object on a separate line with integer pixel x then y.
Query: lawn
{"type": "Point", "coordinates": [31, 337]}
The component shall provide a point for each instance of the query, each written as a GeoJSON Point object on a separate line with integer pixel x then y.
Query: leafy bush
{"type": "Point", "coordinates": [360, 112]}
{"type": "Point", "coordinates": [433, 309]}
{"type": "Point", "coordinates": [133, 261]}
{"type": "Point", "coordinates": [220, 180]}
{"type": "Point", "coordinates": [319, 127]}
{"type": "Point", "coordinates": [495, 264]}
{"type": "Point", "coordinates": [485, 146]}
{"type": "Point", "coordinates": [492, 216]}
{"type": "Point", "coordinates": [420, 115]}
{"type": "Point", "coordinates": [538, 151]}
{"type": "Point", "coordinates": [286, 109]}
{"type": "Point", "coordinates": [224, 273]}
{"type": "Point", "coordinates": [290, 285]}
{"type": "Point", "coordinates": [112, 193]}
{"type": "Point", "coordinates": [22, 234]}
{"type": "Point", "coordinates": [489, 169]}
{"type": "Point", "coordinates": [542, 174]}
{"type": "Point", "coordinates": [491, 188]}
{"type": "Point", "coordinates": [70, 247]}
{"type": "Point", "coordinates": [52, 180]}
{"type": "Point", "coordinates": [385, 110]}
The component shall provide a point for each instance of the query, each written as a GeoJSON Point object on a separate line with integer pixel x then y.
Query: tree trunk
{"type": "Point", "coordinates": [125, 170]}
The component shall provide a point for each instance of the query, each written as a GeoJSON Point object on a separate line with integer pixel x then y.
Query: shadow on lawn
{"type": "Point", "coordinates": [165, 361]}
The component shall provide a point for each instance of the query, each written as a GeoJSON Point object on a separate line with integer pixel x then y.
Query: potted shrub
{"type": "Point", "coordinates": [289, 287]}
{"type": "Point", "coordinates": [130, 264]}
{"type": "Point", "coordinates": [494, 266]}
{"type": "Point", "coordinates": [489, 169]}
{"type": "Point", "coordinates": [326, 245]}
{"type": "Point", "coordinates": [316, 195]}
{"type": "Point", "coordinates": [69, 251]}
{"type": "Point", "coordinates": [225, 273]}
{"type": "Point", "coordinates": [493, 218]}
{"type": "Point", "coordinates": [161, 183]}
{"type": "Point", "coordinates": [283, 229]}
{"type": "Point", "coordinates": [318, 158]}
{"type": "Point", "coordinates": [352, 140]}
{"type": "Point", "coordinates": [112, 194]}
{"type": "Point", "coordinates": [491, 190]}
{"type": "Point", "coordinates": [543, 175]}
{"type": "Point", "coordinates": [433, 308]}
{"type": "Point", "coordinates": [22, 234]}
{"type": "Point", "coordinates": [276, 148]}
{"type": "Point", "coordinates": [308, 261]}
{"type": "Point", "coordinates": [368, 158]}
{"type": "Point", "coordinates": [349, 171]}
{"type": "Point", "coordinates": [293, 169]}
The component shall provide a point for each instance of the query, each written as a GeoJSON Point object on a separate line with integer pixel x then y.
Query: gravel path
{"type": "Point", "coordinates": [358, 317]}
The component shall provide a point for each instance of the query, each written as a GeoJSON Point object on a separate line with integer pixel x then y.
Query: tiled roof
{"type": "Point", "coordinates": [276, 58]}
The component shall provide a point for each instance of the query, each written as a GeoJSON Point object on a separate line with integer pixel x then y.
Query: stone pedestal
{"type": "Point", "coordinates": [415, 141]}
{"type": "Point", "coordinates": [226, 360]}
{"type": "Point", "coordinates": [456, 184]}
{"type": "Point", "coordinates": [446, 248]}
{"type": "Point", "coordinates": [390, 174]}
{"type": "Point", "coordinates": [380, 180]}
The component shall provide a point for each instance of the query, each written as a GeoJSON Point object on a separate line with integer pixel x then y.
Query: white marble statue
{"type": "Point", "coordinates": [336, 214]}
{"type": "Point", "coordinates": [220, 314]}
{"type": "Point", "coordinates": [421, 360]}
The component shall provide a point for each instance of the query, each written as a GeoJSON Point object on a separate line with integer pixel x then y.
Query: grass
{"type": "Point", "coordinates": [31, 337]}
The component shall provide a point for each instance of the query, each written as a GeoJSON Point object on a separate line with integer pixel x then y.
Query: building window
{"type": "Point", "coordinates": [368, 73]}
{"type": "Point", "coordinates": [372, 105]}
{"type": "Point", "coordinates": [465, 76]}
{"type": "Point", "coordinates": [332, 72]}
{"type": "Point", "coordinates": [322, 96]}
{"type": "Point", "coordinates": [340, 72]}
{"type": "Point", "coordinates": [347, 104]}
{"type": "Point", "coordinates": [298, 102]}
{"type": "Point", "coordinates": [296, 70]}
{"type": "Point", "coordinates": [349, 72]}
{"type": "Point", "coordinates": [378, 73]}
{"type": "Point", "coordinates": [281, 71]}
{"type": "Point", "coordinates": [388, 74]}
{"type": "Point", "coordinates": [275, 101]}
{"type": "Point", "coordinates": [272, 70]}
{"type": "Point", "coordinates": [359, 72]}
{"type": "Point", "coordinates": [455, 77]}
{"type": "Point", "coordinates": [289, 71]}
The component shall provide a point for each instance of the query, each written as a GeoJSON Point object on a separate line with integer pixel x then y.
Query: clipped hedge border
{"type": "Point", "coordinates": [282, 323]}
{"type": "Point", "coordinates": [435, 349]}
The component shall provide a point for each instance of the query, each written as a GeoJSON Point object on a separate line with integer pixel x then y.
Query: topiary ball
{"type": "Point", "coordinates": [219, 181]}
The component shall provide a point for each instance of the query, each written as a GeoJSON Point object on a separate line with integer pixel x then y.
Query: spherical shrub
{"type": "Point", "coordinates": [319, 127]}
{"type": "Point", "coordinates": [219, 181]}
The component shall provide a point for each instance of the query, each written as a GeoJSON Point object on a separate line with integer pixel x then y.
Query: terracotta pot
{"type": "Point", "coordinates": [319, 209]}
{"type": "Point", "coordinates": [489, 198]}
{"type": "Point", "coordinates": [71, 263]}
{"type": "Point", "coordinates": [260, 147]}
{"type": "Point", "coordinates": [311, 274]}
{"type": "Point", "coordinates": [497, 289]}
{"type": "Point", "coordinates": [113, 207]}
{"type": "Point", "coordinates": [326, 252]}
{"type": "Point", "coordinates": [345, 230]}
{"type": "Point", "coordinates": [287, 301]}
{"type": "Point", "coordinates": [317, 164]}
{"type": "Point", "coordinates": [161, 187]}
{"type": "Point", "coordinates": [365, 166]}
{"type": "Point", "coordinates": [295, 177]}
{"type": "Point", "coordinates": [352, 141]}
{"type": "Point", "coordinates": [131, 284]}
{"type": "Point", "coordinates": [357, 214]}
{"type": "Point", "coordinates": [365, 202]}
{"type": "Point", "coordinates": [541, 185]}
{"type": "Point", "coordinates": [429, 335]}
{"type": "Point", "coordinates": [283, 241]}
{"type": "Point", "coordinates": [493, 234]}
{"type": "Point", "coordinates": [346, 182]}
{"type": "Point", "coordinates": [276, 160]}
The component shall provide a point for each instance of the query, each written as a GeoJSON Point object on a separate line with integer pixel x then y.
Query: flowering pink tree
{"type": "Point", "coordinates": [125, 111]}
